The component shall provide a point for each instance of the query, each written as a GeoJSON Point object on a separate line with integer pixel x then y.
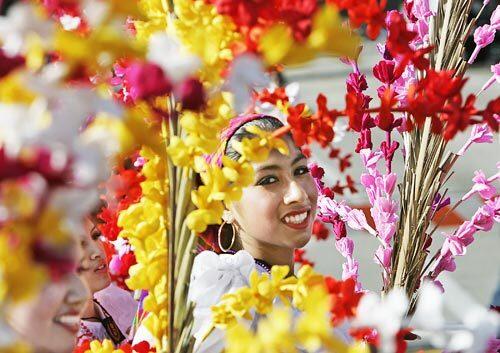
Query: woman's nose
{"type": "Point", "coordinates": [95, 255]}
{"type": "Point", "coordinates": [295, 193]}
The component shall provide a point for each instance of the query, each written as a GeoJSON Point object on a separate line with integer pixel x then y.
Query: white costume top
{"type": "Point", "coordinates": [212, 276]}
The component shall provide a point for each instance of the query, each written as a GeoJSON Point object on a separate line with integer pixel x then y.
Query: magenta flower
{"type": "Point", "coordinates": [481, 133]}
{"type": "Point", "coordinates": [145, 80]}
{"type": "Point", "coordinates": [483, 36]}
{"type": "Point", "coordinates": [494, 204]}
{"type": "Point", "coordinates": [482, 186]}
{"type": "Point", "coordinates": [191, 94]}
{"type": "Point", "coordinates": [339, 229]}
{"type": "Point", "coordinates": [495, 69]}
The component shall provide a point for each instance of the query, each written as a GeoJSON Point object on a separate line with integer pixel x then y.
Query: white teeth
{"type": "Point", "coordinates": [297, 219]}
{"type": "Point", "coordinates": [68, 319]}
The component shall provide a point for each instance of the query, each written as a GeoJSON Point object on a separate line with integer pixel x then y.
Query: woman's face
{"type": "Point", "coordinates": [93, 269]}
{"type": "Point", "coordinates": [279, 208]}
{"type": "Point", "coordinates": [50, 320]}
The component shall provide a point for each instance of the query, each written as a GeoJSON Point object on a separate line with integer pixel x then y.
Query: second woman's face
{"type": "Point", "coordinates": [93, 269]}
{"type": "Point", "coordinates": [280, 206]}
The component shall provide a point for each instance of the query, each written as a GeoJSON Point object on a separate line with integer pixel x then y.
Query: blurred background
{"type": "Point", "coordinates": [478, 272]}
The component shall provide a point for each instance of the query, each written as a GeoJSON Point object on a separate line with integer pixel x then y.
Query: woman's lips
{"type": "Point", "coordinates": [70, 322]}
{"type": "Point", "coordinates": [297, 219]}
{"type": "Point", "coordinates": [101, 268]}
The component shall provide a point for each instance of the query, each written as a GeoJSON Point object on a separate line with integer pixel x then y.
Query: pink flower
{"type": "Point", "coordinates": [345, 246]}
{"type": "Point", "coordinates": [483, 36]}
{"type": "Point", "coordinates": [482, 186]}
{"type": "Point", "coordinates": [356, 220]}
{"type": "Point", "coordinates": [495, 18]}
{"type": "Point", "coordinates": [481, 133]}
{"type": "Point", "coordinates": [370, 159]}
{"type": "Point", "coordinates": [494, 204]}
{"type": "Point", "coordinates": [350, 269]}
{"type": "Point", "coordinates": [383, 257]}
{"type": "Point", "coordinates": [495, 69]}
{"type": "Point", "coordinates": [146, 80]}
{"type": "Point", "coordinates": [483, 218]}
{"type": "Point", "coordinates": [445, 262]}
{"type": "Point", "coordinates": [327, 209]}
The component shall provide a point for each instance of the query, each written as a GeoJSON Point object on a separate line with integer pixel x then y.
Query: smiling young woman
{"type": "Point", "coordinates": [273, 218]}
{"type": "Point", "coordinates": [109, 311]}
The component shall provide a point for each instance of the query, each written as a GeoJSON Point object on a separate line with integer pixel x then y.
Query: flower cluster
{"type": "Point", "coordinates": [264, 290]}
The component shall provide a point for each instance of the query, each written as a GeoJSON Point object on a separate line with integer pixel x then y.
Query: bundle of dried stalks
{"type": "Point", "coordinates": [428, 163]}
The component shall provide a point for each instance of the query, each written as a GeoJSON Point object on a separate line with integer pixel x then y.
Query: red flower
{"type": "Point", "coordinates": [355, 106]}
{"type": "Point", "coordinates": [8, 64]}
{"type": "Point", "coordinates": [344, 299]}
{"type": "Point", "coordinates": [458, 117]}
{"type": "Point", "coordinates": [366, 334]}
{"type": "Point", "coordinates": [319, 230]}
{"type": "Point", "coordinates": [298, 257]}
{"type": "Point", "coordinates": [364, 140]}
{"type": "Point", "coordinates": [491, 115]}
{"type": "Point", "coordinates": [384, 71]}
{"type": "Point", "coordinates": [300, 125]}
{"type": "Point", "coordinates": [191, 94]}
{"type": "Point", "coordinates": [322, 122]}
{"type": "Point", "coordinates": [370, 12]}
{"type": "Point", "coordinates": [345, 162]}
{"type": "Point", "coordinates": [385, 118]}
{"type": "Point", "coordinates": [350, 184]}
{"type": "Point", "coordinates": [429, 95]}
{"type": "Point", "coordinates": [399, 37]}
{"type": "Point", "coordinates": [334, 152]}
{"type": "Point", "coordinates": [109, 228]}
{"type": "Point", "coordinates": [279, 94]}
{"type": "Point", "coordinates": [82, 347]}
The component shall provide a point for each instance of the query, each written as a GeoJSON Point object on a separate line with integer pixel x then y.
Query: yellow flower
{"type": "Point", "coordinates": [207, 34]}
{"type": "Point", "coordinates": [105, 346]}
{"type": "Point", "coordinates": [239, 339]}
{"type": "Point", "coordinates": [257, 149]}
{"type": "Point", "coordinates": [328, 37]}
{"type": "Point", "coordinates": [275, 332]}
{"type": "Point", "coordinates": [240, 174]}
{"type": "Point", "coordinates": [307, 279]}
{"type": "Point", "coordinates": [208, 212]}
{"type": "Point", "coordinates": [234, 305]}
{"type": "Point", "coordinates": [12, 90]}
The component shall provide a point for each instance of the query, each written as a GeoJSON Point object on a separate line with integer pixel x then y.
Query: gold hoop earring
{"type": "Point", "coordinates": [232, 238]}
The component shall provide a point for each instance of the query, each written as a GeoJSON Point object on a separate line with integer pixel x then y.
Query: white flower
{"type": "Point", "coordinates": [70, 23]}
{"type": "Point", "coordinates": [73, 204]}
{"type": "Point", "coordinates": [22, 20]}
{"type": "Point", "coordinates": [166, 51]}
{"type": "Point", "coordinates": [383, 314]}
{"type": "Point", "coordinates": [246, 74]}
{"type": "Point", "coordinates": [95, 12]}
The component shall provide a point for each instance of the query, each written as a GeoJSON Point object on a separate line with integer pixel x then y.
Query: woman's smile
{"type": "Point", "coordinates": [297, 219]}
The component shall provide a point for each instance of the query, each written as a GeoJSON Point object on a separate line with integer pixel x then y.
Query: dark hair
{"type": "Point", "coordinates": [266, 123]}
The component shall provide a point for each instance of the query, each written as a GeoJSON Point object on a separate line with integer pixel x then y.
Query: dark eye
{"type": "Point", "coordinates": [95, 235]}
{"type": "Point", "coordinates": [270, 179]}
{"type": "Point", "coordinates": [301, 170]}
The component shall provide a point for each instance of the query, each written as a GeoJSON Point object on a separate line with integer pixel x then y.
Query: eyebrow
{"type": "Point", "coordinates": [299, 157]}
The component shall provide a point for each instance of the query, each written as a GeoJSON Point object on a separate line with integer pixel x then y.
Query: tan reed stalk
{"type": "Point", "coordinates": [427, 164]}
